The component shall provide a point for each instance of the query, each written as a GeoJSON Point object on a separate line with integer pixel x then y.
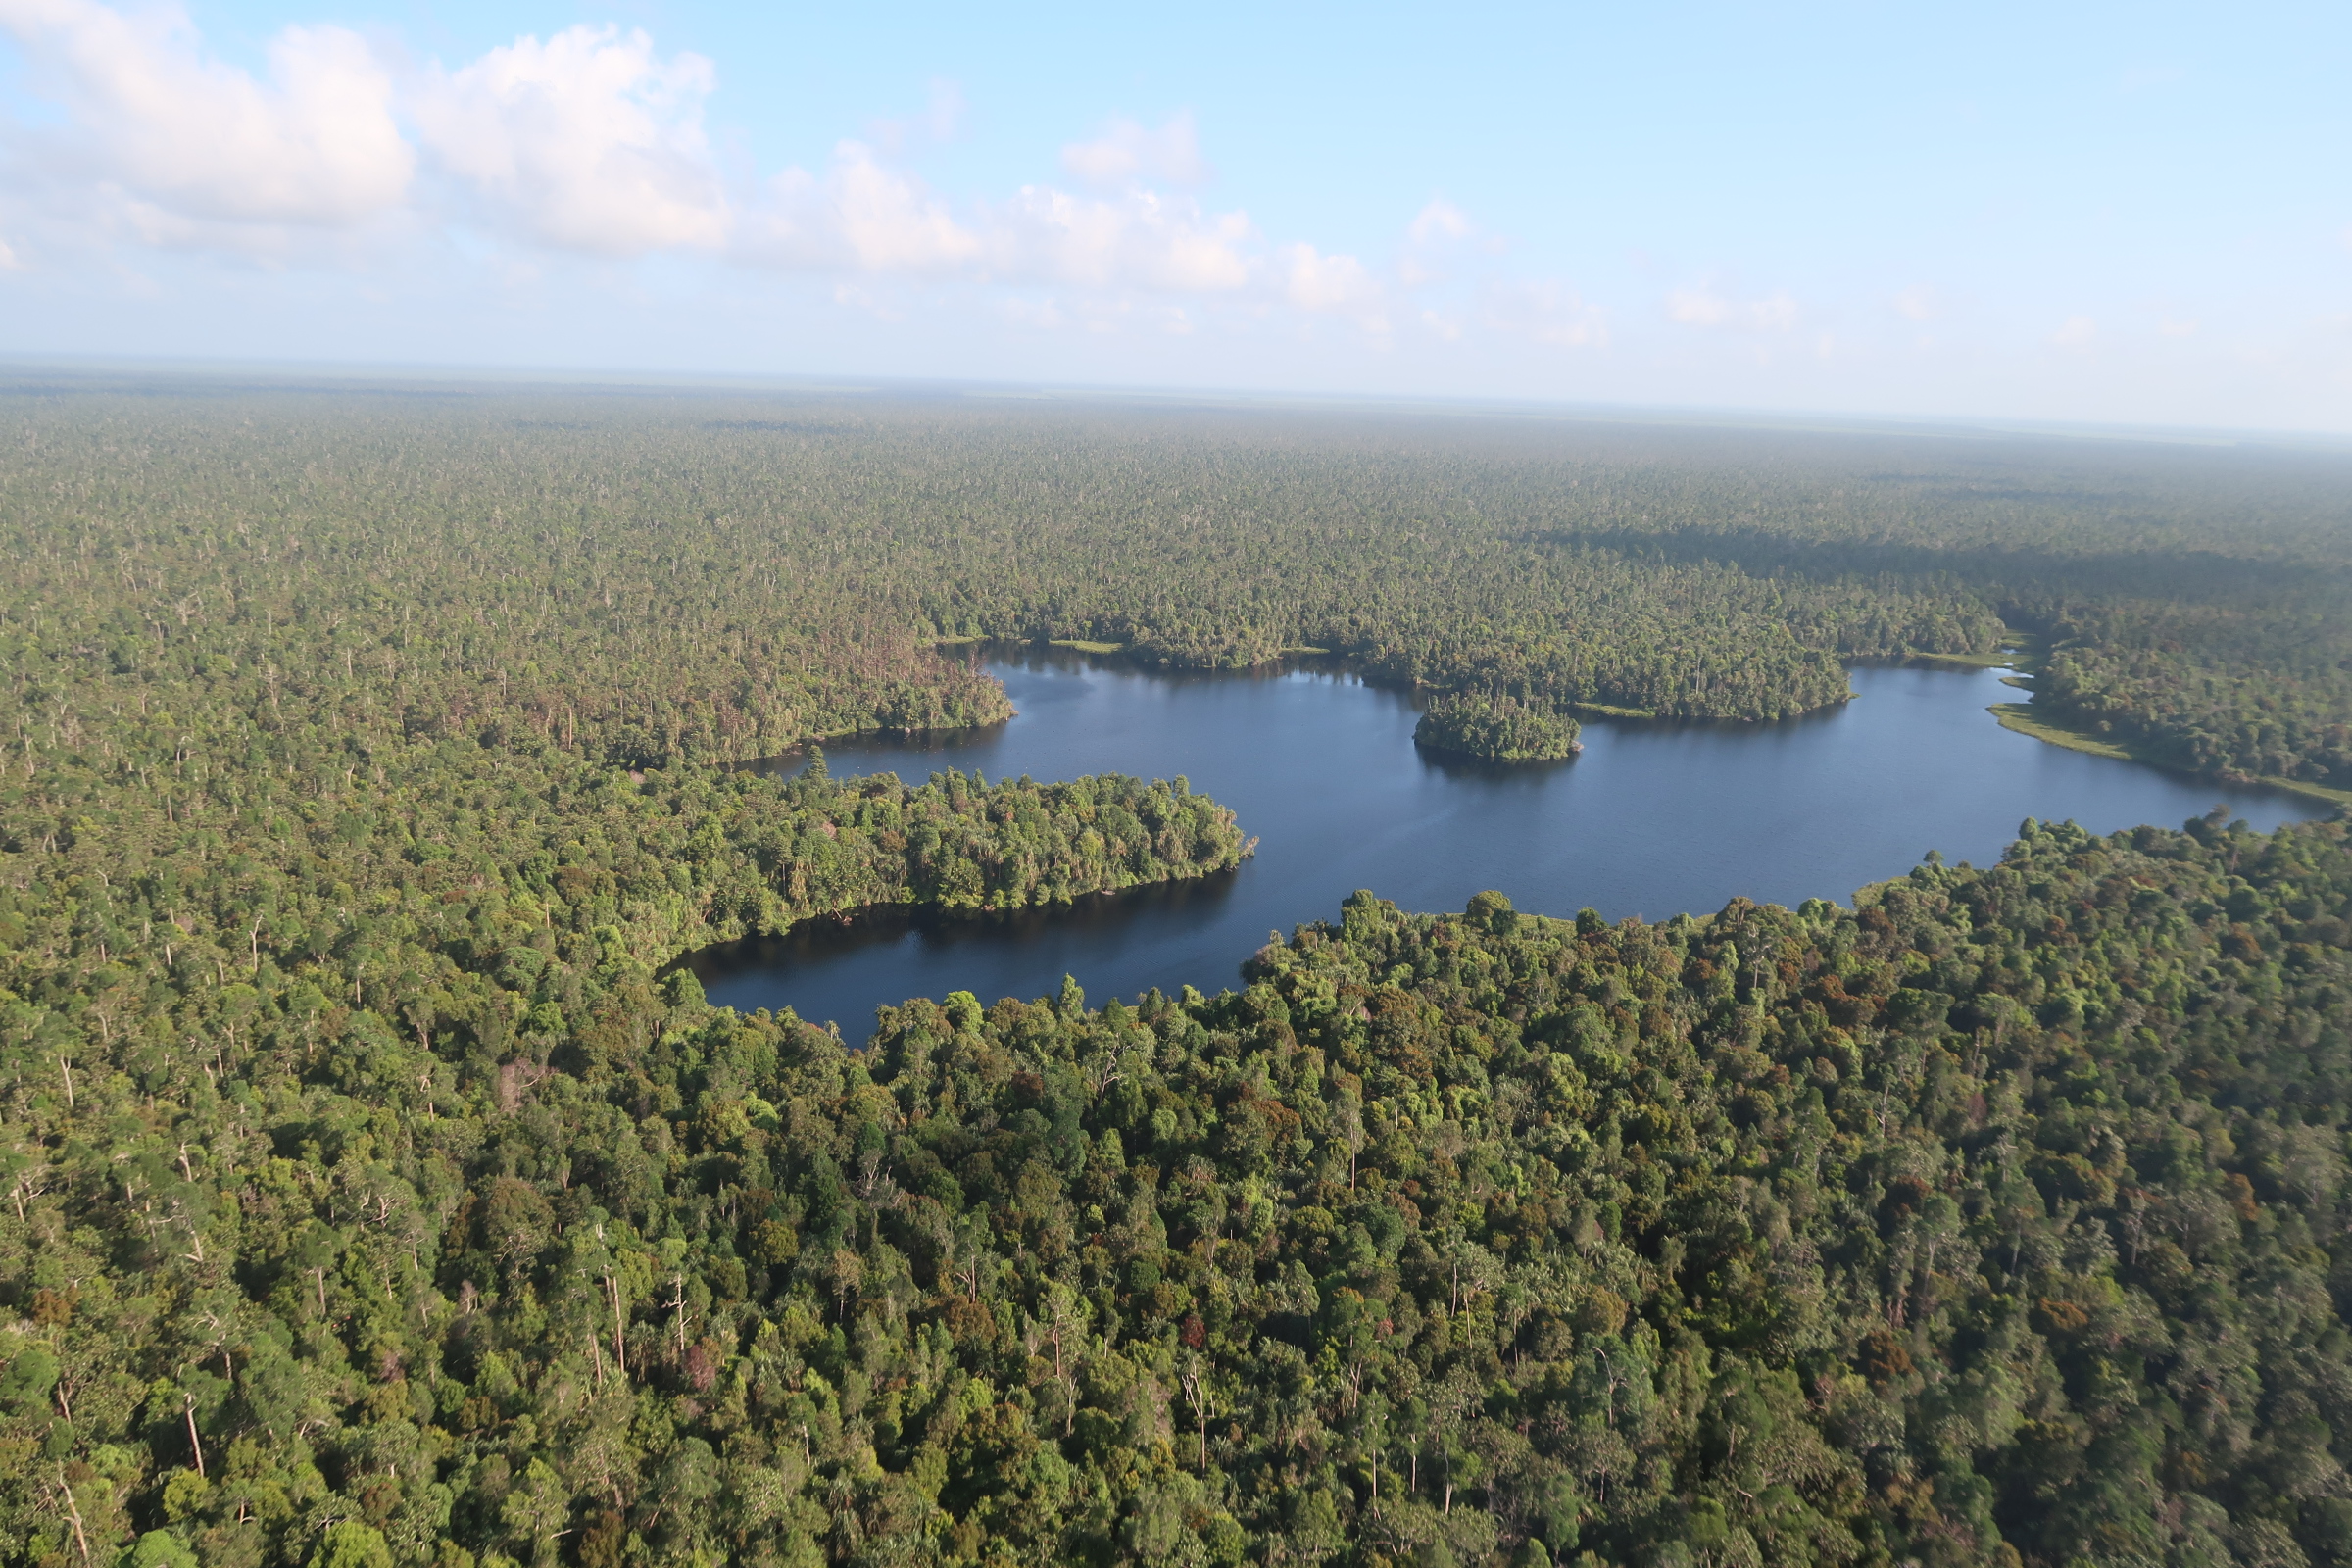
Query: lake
{"type": "Point", "coordinates": [1654, 819]}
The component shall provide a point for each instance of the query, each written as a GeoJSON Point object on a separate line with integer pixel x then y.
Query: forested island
{"type": "Point", "coordinates": [1500, 728]}
{"type": "Point", "coordinates": [381, 1193]}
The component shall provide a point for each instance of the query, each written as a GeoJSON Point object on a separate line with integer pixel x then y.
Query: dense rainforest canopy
{"type": "Point", "coordinates": [378, 1194]}
{"type": "Point", "coordinates": [719, 574]}
{"type": "Point", "coordinates": [1995, 1220]}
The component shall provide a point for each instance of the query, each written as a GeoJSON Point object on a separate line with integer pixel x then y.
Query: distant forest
{"type": "Point", "coordinates": [719, 577]}
{"type": "Point", "coordinates": [379, 1194]}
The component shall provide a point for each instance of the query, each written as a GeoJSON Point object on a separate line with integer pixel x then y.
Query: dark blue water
{"type": "Point", "coordinates": [1653, 819]}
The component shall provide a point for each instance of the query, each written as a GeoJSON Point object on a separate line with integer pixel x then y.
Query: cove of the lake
{"type": "Point", "coordinates": [1653, 819]}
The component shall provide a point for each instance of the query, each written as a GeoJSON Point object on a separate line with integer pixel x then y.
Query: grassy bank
{"type": "Point", "coordinates": [2021, 717]}
{"type": "Point", "coordinates": [2001, 660]}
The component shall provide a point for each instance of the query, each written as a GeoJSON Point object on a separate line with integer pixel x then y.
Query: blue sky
{"type": "Point", "coordinates": [2123, 214]}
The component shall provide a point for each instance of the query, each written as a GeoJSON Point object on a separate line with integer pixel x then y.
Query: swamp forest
{"type": "Point", "coordinates": [383, 1192]}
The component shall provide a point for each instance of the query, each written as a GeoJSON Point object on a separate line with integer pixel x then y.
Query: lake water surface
{"type": "Point", "coordinates": [1653, 819]}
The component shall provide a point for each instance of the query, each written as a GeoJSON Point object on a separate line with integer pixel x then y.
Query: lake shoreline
{"type": "Point", "coordinates": [2024, 720]}
{"type": "Point", "coordinates": [1656, 817]}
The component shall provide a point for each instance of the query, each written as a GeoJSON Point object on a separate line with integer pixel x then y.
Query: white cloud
{"type": "Point", "coordinates": [1104, 317]}
{"type": "Point", "coordinates": [944, 118]}
{"type": "Point", "coordinates": [941, 121]}
{"type": "Point", "coordinates": [1440, 236]}
{"type": "Point", "coordinates": [591, 141]}
{"type": "Point", "coordinates": [865, 216]}
{"type": "Point", "coordinates": [1314, 281]}
{"type": "Point", "coordinates": [1127, 154]}
{"type": "Point", "coordinates": [586, 141]}
{"type": "Point", "coordinates": [1043, 315]}
{"type": "Point", "coordinates": [1704, 308]}
{"type": "Point", "coordinates": [1142, 240]}
{"type": "Point", "coordinates": [2075, 334]}
{"type": "Point", "coordinates": [1698, 308]}
{"type": "Point", "coordinates": [2178, 327]}
{"type": "Point", "coordinates": [1098, 317]}
{"type": "Point", "coordinates": [190, 138]}
{"type": "Point", "coordinates": [1546, 312]}
{"type": "Point", "coordinates": [862, 216]}
{"type": "Point", "coordinates": [1919, 303]}
{"type": "Point", "coordinates": [1440, 220]}
{"type": "Point", "coordinates": [864, 299]}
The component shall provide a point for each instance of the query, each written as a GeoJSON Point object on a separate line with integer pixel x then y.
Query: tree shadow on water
{"type": "Point", "coordinates": [1096, 919]}
{"type": "Point", "coordinates": [1457, 768]}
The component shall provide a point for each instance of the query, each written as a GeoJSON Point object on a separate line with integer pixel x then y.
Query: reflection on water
{"type": "Point", "coordinates": [1098, 922]}
{"type": "Point", "coordinates": [1653, 819]}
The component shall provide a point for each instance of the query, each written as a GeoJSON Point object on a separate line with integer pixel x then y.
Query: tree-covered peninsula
{"type": "Point", "coordinates": [1995, 1219]}
{"type": "Point", "coordinates": [1497, 728]}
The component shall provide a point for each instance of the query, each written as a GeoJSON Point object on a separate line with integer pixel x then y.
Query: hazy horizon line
{"type": "Point", "coordinates": [352, 374]}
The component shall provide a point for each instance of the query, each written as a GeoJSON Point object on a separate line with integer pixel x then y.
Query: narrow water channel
{"type": "Point", "coordinates": [1653, 819]}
